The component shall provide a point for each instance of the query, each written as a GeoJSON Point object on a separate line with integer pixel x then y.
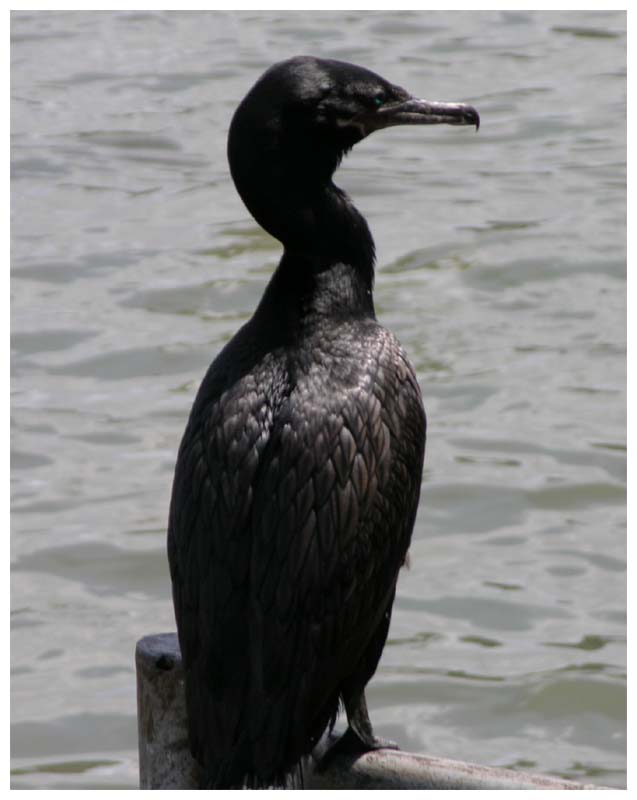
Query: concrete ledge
{"type": "Point", "coordinates": [395, 769]}
{"type": "Point", "coordinates": [165, 761]}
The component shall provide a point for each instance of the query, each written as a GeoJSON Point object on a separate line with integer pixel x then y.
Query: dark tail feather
{"type": "Point", "coordinates": [225, 776]}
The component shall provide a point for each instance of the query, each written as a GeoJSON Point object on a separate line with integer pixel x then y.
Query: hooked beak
{"type": "Point", "coordinates": [424, 112]}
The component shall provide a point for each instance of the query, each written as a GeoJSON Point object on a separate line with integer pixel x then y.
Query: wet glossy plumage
{"type": "Point", "coordinates": [298, 476]}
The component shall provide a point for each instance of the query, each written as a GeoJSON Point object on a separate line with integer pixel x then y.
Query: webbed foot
{"type": "Point", "coordinates": [351, 744]}
{"type": "Point", "coordinates": [358, 738]}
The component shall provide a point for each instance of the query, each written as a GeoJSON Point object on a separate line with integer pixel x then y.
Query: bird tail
{"type": "Point", "coordinates": [225, 775]}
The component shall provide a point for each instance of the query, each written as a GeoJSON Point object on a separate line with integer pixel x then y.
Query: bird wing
{"type": "Point", "coordinates": [290, 518]}
{"type": "Point", "coordinates": [333, 510]}
{"type": "Point", "coordinates": [209, 546]}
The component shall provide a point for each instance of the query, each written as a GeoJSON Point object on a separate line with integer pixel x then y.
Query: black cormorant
{"type": "Point", "coordinates": [298, 476]}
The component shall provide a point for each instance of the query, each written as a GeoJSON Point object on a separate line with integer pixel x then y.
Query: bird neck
{"type": "Point", "coordinates": [301, 297]}
{"type": "Point", "coordinates": [316, 223]}
{"type": "Point", "coordinates": [327, 268]}
{"type": "Point", "coordinates": [284, 178]}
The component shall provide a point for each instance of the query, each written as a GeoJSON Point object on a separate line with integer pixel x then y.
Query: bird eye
{"type": "Point", "coordinates": [378, 101]}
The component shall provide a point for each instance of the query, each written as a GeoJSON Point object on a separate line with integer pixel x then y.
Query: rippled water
{"type": "Point", "coordinates": [501, 268]}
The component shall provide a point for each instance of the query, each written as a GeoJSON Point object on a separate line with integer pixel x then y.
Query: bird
{"type": "Point", "coordinates": [298, 476]}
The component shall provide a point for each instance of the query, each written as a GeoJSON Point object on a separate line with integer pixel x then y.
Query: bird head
{"type": "Point", "coordinates": [307, 100]}
{"type": "Point", "coordinates": [356, 102]}
{"type": "Point", "coordinates": [291, 130]}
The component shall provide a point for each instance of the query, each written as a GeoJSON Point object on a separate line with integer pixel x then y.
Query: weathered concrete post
{"type": "Point", "coordinates": [164, 756]}
{"type": "Point", "coordinates": [165, 761]}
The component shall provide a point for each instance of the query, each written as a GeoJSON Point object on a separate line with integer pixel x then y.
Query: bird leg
{"type": "Point", "coordinates": [359, 737]}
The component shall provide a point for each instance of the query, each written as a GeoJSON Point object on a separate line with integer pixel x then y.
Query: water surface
{"type": "Point", "coordinates": [501, 267]}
